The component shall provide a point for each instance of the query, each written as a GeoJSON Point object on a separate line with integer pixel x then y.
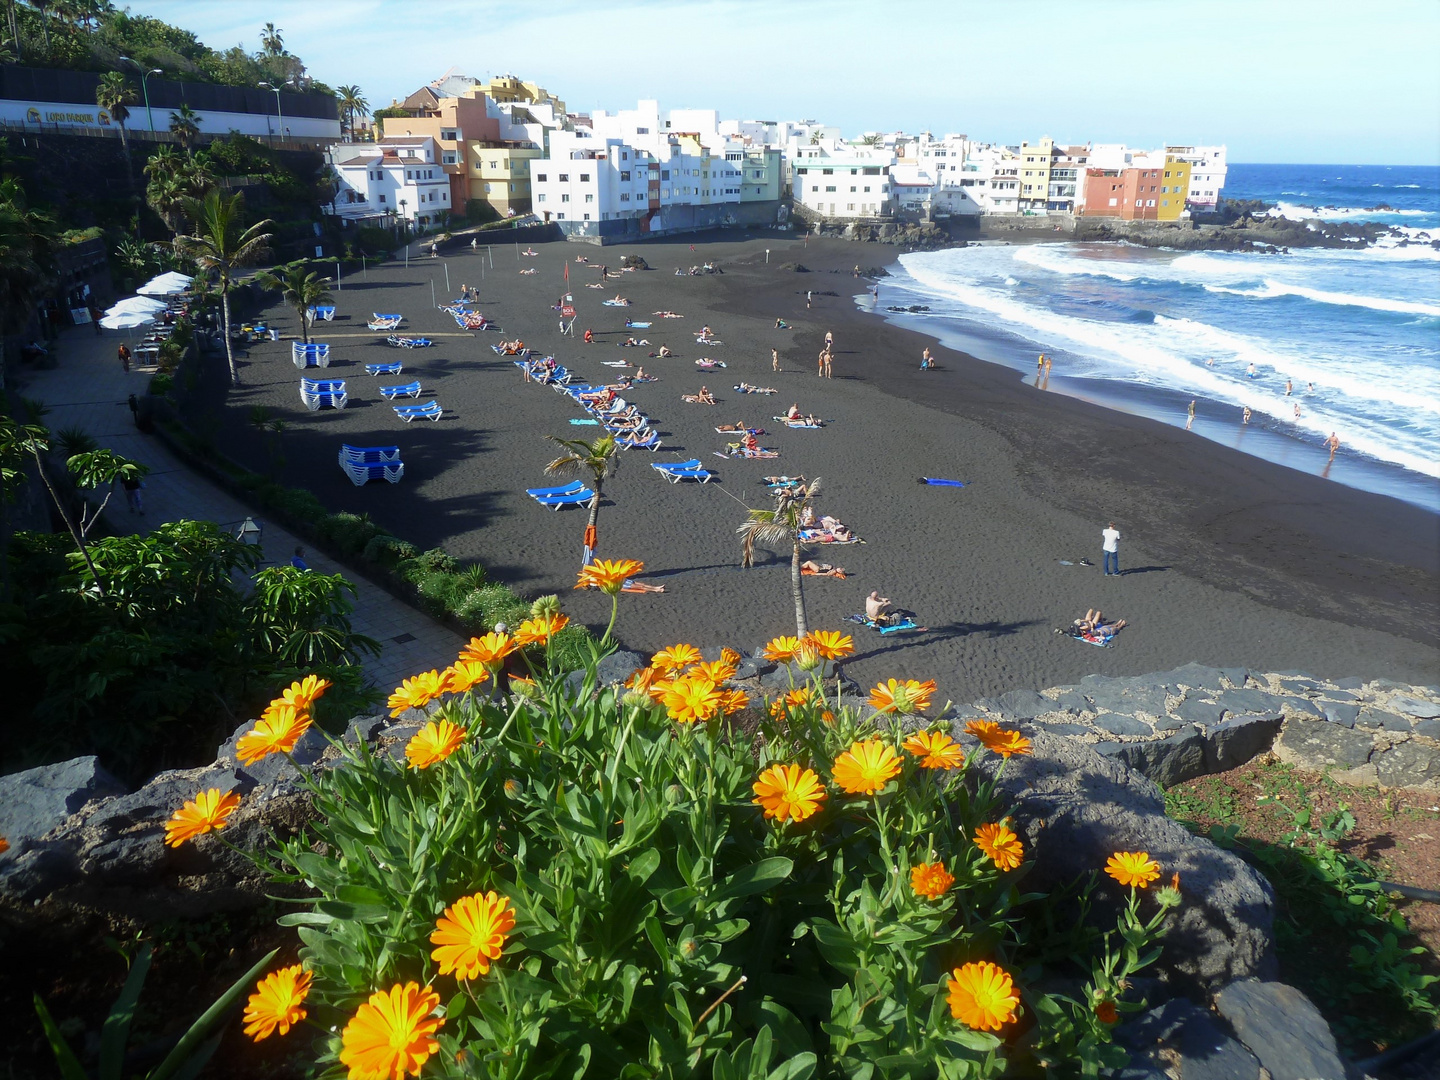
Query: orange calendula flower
{"type": "Point", "coordinates": [895, 696]}
{"type": "Point", "coordinates": [997, 741]}
{"type": "Point", "coordinates": [464, 675]}
{"type": "Point", "coordinates": [792, 699]}
{"type": "Point", "coordinates": [608, 575]}
{"type": "Point", "coordinates": [866, 767]}
{"type": "Point", "coordinates": [730, 656]}
{"type": "Point", "coordinates": [640, 679]}
{"type": "Point", "coordinates": [209, 810]}
{"type": "Point", "coordinates": [1001, 845]}
{"type": "Point", "coordinates": [1132, 868]}
{"type": "Point", "coordinates": [392, 1035]}
{"type": "Point", "coordinates": [277, 731]}
{"type": "Point", "coordinates": [490, 649]}
{"type": "Point", "coordinates": [675, 658]}
{"type": "Point", "coordinates": [788, 792]}
{"type": "Point", "coordinates": [691, 700]}
{"type": "Point", "coordinates": [982, 996]}
{"type": "Point", "coordinates": [417, 691]}
{"type": "Point", "coordinates": [832, 645]}
{"type": "Point", "coordinates": [732, 701]}
{"type": "Point", "coordinates": [433, 743]}
{"type": "Point", "coordinates": [717, 671]}
{"type": "Point", "coordinates": [4, 845]}
{"type": "Point", "coordinates": [781, 650]}
{"type": "Point", "coordinates": [931, 880]}
{"type": "Point", "coordinates": [471, 934]}
{"type": "Point", "coordinates": [303, 693]}
{"type": "Point", "coordinates": [276, 1002]}
{"type": "Point", "coordinates": [1106, 1014]}
{"type": "Point", "coordinates": [540, 629]}
{"type": "Point", "coordinates": [935, 749]}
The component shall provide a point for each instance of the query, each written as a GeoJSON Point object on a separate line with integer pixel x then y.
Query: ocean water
{"type": "Point", "coordinates": [1356, 333]}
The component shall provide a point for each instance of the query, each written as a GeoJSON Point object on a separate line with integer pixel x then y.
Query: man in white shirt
{"type": "Point", "coordinates": [1111, 548]}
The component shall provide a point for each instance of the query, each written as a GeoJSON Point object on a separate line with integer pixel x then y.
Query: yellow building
{"type": "Point", "coordinates": [505, 88]}
{"type": "Point", "coordinates": [1035, 161]}
{"type": "Point", "coordinates": [1174, 187]}
{"type": "Point", "coordinates": [499, 174]}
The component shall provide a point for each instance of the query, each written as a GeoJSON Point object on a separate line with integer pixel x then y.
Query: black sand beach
{"type": "Point", "coordinates": [1227, 559]}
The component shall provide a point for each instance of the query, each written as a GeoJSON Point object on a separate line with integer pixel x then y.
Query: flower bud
{"type": "Point", "coordinates": [808, 657]}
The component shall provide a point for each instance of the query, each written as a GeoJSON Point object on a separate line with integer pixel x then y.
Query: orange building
{"type": "Point", "coordinates": [452, 122]}
{"type": "Point", "coordinates": [1130, 194]}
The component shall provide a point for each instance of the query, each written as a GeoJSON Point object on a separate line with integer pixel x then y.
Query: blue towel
{"type": "Point", "coordinates": [589, 422]}
{"type": "Point", "coordinates": [934, 482]}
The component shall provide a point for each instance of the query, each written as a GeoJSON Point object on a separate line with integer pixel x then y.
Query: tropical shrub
{"type": "Point", "coordinates": [568, 879]}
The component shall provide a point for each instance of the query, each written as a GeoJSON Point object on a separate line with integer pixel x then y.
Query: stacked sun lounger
{"type": "Point", "coordinates": [572, 494]}
{"type": "Point", "coordinates": [318, 392]}
{"type": "Point", "coordinates": [365, 463]}
{"type": "Point", "coordinates": [429, 411]}
{"type": "Point", "coordinates": [312, 355]}
{"type": "Point", "coordinates": [321, 311]}
{"type": "Point", "coordinates": [682, 470]}
{"type": "Point", "coordinates": [410, 389]}
{"type": "Point", "coordinates": [391, 368]}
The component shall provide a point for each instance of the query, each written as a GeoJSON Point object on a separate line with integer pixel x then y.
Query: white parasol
{"type": "Point", "coordinates": [126, 320]}
{"type": "Point", "coordinates": [167, 284]}
{"type": "Point", "coordinates": [142, 305]}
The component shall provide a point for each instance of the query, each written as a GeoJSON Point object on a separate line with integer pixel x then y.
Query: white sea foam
{"type": "Point", "coordinates": [1297, 212]}
{"type": "Point", "coordinates": [1272, 289]}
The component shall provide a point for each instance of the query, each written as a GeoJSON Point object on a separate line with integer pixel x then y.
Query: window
{"type": "Point", "coordinates": [512, 189]}
{"type": "Point", "coordinates": [487, 189]}
{"type": "Point", "coordinates": [541, 197]}
{"type": "Point", "coordinates": [852, 189]}
{"type": "Point", "coordinates": [867, 188]}
{"type": "Point", "coordinates": [624, 155]}
{"type": "Point", "coordinates": [642, 131]}
{"type": "Point", "coordinates": [564, 198]}
{"type": "Point", "coordinates": [624, 176]}
{"type": "Point", "coordinates": [850, 206]}
{"type": "Point", "coordinates": [830, 187]}
{"type": "Point", "coordinates": [664, 174]}
{"type": "Point", "coordinates": [540, 177]}
{"type": "Point", "coordinates": [560, 217]}
{"type": "Point", "coordinates": [449, 134]}
{"type": "Point", "coordinates": [587, 217]}
{"type": "Point", "coordinates": [828, 172]}
{"type": "Point", "coordinates": [813, 187]}
{"type": "Point", "coordinates": [584, 177]}
{"type": "Point", "coordinates": [382, 198]}
{"type": "Point", "coordinates": [589, 197]}
{"type": "Point", "coordinates": [802, 172]}
{"type": "Point", "coordinates": [564, 178]}
{"type": "Point", "coordinates": [624, 196]}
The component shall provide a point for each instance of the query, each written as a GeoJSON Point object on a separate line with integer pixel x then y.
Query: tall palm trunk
{"type": "Point", "coordinates": [592, 530]}
{"type": "Point", "coordinates": [304, 324]}
{"type": "Point", "coordinates": [802, 625]}
{"type": "Point", "coordinates": [229, 345]}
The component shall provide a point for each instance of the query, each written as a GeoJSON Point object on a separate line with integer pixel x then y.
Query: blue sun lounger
{"type": "Point", "coordinates": [390, 393]}
{"type": "Point", "coordinates": [364, 463]}
{"type": "Point", "coordinates": [652, 443]}
{"type": "Point", "coordinates": [682, 470]}
{"type": "Point", "coordinates": [563, 489]}
{"type": "Point", "coordinates": [317, 392]}
{"type": "Point", "coordinates": [314, 354]}
{"type": "Point", "coordinates": [575, 498]}
{"type": "Point", "coordinates": [429, 411]}
{"type": "Point", "coordinates": [392, 368]}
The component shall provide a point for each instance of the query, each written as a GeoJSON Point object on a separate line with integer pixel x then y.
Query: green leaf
{"type": "Point", "coordinates": [799, 1067]}
{"type": "Point", "coordinates": [117, 1025]}
{"type": "Point", "coordinates": [64, 1057]}
{"type": "Point", "coordinates": [360, 894]}
{"type": "Point", "coordinates": [642, 866]}
{"type": "Point", "coordinates": [305, 918]}
{"type": "Point", "coordinates": [362, 913]}
{"type": "Point", "coordinates": [192, 1042]}
{"type": "Point", "coordinates": [755, 878]}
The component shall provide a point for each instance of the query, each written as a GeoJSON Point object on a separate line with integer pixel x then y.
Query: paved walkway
{"type": "Point", "coordinates": [89, 390]}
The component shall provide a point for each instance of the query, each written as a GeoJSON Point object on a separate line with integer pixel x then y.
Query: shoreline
{"type": "Point", "coordinates": [1250, 568]}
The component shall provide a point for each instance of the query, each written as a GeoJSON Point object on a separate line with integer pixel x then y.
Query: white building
{"type": "Point", "coordinates": [1207, 173]}
{"type": "Point", "coordinates": [400, 176]}
{"type": "Point", "coordinates": [837, 180]}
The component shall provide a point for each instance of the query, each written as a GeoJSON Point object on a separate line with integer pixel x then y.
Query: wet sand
{"type": "Point", "coordinates": [1227, 559]}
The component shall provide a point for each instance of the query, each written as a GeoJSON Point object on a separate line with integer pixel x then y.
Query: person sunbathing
{"type": "Point", "coordinates": [793, 413]}
{"type": "Point", "coordinates": [631, 585]}
{"type": "Point", "coordinates": [812, 568]}
{"type": "Point", "coordinates": [704, 397]}
{"type": "Point", "coordinates": [581, 259]}
{"type": "Point", "coordinates": [665, 351]}
{"type": "Point", "coordinates": [1095, 622]}
{"type": "Point", "coordinates": [629, 343]}
{"type": "Point", "coordinates": [603, 396]}
{"type": "Point", "coordinates": [878, 608]}
{"type": "Point", "coordinates": [640, 375]}
{"type": "Point", "coordinates": [738, 426]}
{"type": "Point", "coordinates": [622, 301]}
{"type": "Point", "coordinates": [747, 388]}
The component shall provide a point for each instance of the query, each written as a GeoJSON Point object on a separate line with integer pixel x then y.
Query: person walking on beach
{"type": "Point", "coordinates": [1110, 549]}
{"type": "Point", "coordinates": [1048, 362]}
{"type": "Point", "coordinates": [1190, 418]}
{"type": "Point", "coordinates": [1040, 365]}
{"type": "Point", "coordinates": [124, 354]}
{"type": "Point", "coordinates": [774, 359]}
{"type": "Point", "coordinates": [1333, 443]}
{"type": "Point", "coordinates": [1245, 414]}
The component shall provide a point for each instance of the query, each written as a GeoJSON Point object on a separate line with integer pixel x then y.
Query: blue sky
{"type": "Point", "coordinates": [1276, 80]}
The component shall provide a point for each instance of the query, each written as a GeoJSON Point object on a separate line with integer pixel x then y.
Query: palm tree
{"type": "Point", "coordinates": [599, 460]}
{"type": "Point", "coordinates": [351, 101]}
{"type": "Point", "coordinates": [271, 41]}
{"type": "Point", "coordinates": [781, 526]}
{"type": "Point", "coordinates": [27, 258]}
{"type": "Point", "coordinates": [219, 243]}
{"type": "Point", "coordinates": [185, 125]}
{"type": "Point", "coordinates": [165, 161]}
{"type": "Point", "coordinates": [300, 290]}
{"type": "Point", "coordinates": [113, 95]}
{"type": "Point", "coordinates": [872, 140]}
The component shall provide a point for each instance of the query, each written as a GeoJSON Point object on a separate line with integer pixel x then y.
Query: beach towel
{"type": "Point", "coordinates": [583, 423]}
{"type": "Point", "coordinates": [936, 482]}
{"type": "Point", "coordinates": [904, 625]}
{"type": "Point", "coordinates": [636, 325]}
{"type": "Point", "coordinates": [616, 363]}
{"type": "Point", "coordinates": [742, 389]}
{"type": "Point", "coordinates": [798, 423]}
{"type": "Point", "coordinates": [837, 572]}
{"type": "Point", "coordinates": [741, 452]}
{"type": "Point", "coordinates": [824, 536]}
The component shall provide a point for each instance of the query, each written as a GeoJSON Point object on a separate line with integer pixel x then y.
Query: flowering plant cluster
{"type": "Point", "coordinates": [566, 879]}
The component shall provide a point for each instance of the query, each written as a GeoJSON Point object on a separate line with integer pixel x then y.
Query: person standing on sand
{"type": "Point", "coordinates": [774, 359]}
{"type": "Point", "coordinates": [1048, 362]}
{"type": "Point", "coordinates": [1190, 418]}
{"type": "Point", "coordinates": [807, 299]}
{"type": "Point", "coordinates": [1245, 414]}
{"type": "Point", "coordinates": [826, 356]}
{"type": "Point", "coordinates": [1333, 443]}
{"type": "Point", "coordinates": [820, 365]}
{"type": "Point", "coordinates": [1040, 365]}
{"type": "Point", "coordinates": [829, 341]}
{"type": "Point", "coordinates": [1110, 549]}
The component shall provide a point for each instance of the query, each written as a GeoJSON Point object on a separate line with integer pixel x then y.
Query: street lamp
{"type": "Point", "coordinates": [145, 88]}
{"type": "Point", "coordinates": [280, 117]}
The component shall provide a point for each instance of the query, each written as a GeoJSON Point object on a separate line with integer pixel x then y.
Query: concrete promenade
{"type": "Point", "coordinates": [89, 390]}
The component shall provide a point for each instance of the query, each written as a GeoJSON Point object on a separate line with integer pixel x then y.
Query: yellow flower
{"type": "Point", "coordinates": [781, 650]}
{"type": "Point", "coordinates": [936, 750]}
{"type": "Point", "coordinates": [792, 699]}
{"type": "Point", "coordinates": [788, 792]}
{"type": "Point", "coordinates": [729, 656]}
{"type": "Point", "coordinates": [866, 767]}
{"type": "Point", "coordinates": [832, 645]}
{"type": "Point", "coordinates": [675, 658]}
{"type": "Point", "coordinates": [417, 691]}
{"type": "Point", "coordinates": [1004, 743]}
{"type": "Point", "coordinates": [276, 1002]}
{"type": "Point", "coordinates": [640, 679]}
{"type": "Point", "coordinates": [690, 700]}
{"type": "Point", "coordinates": [1132, 868]}
{"type": "Point", "coordinates": [392, 1035]}
{"type": "Point", "coordinates": [608, 575]}
{"type": "Point", "coordinates": [931, 880]}
{"type": "Point", "coordinates": [464, 675]}
{"type": "Point", "coordinates": [208, 810]}
{"type": "Point", "coordinates": [278, 730]}
{"type": "Point", "coordinates": [909, 696]}
{"type": "Point", "coordinates": [433, 743]}
{"type": "Point", "coordinates": [732, 701]}
{"type": "Point", "coordinates": [303, 693]}
{"type": "Point", "coordinates": [717, 671]}
{"type": "Point", "coordinates": [490, 650]}
{"type": "Point", "coordinates": [541, 628]}
{"type": "Point", "coordinates": [1002, 845]}
{"type": "Point", "coordinates": [471, 933]}
{"type": "Point", "coordinates": [982, 996]}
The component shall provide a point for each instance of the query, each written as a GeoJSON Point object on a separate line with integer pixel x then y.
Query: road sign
{"type": "Point", "coordinates": [568, 311]}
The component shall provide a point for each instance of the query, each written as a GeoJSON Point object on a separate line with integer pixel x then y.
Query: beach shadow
{"type": "Point", "coordinates": [945, 633]}
{"type": "Point", "coordinates": [1143, 570]}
